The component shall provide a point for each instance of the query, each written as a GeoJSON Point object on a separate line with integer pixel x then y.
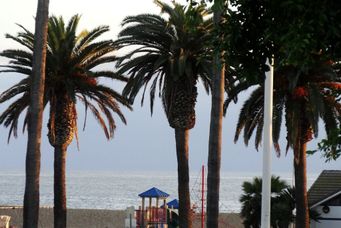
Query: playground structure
{"type": "Point", "coordinates": [152, 215]}
{"type": "Point", "coordinates": [156, 216]}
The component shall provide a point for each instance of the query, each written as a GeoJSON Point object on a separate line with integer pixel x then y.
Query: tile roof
{"type": "Point", "coordinates": [327, 184]}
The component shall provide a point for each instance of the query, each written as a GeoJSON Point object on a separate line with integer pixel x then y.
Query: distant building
{"type": "Point", "coordinates": [324, 196]}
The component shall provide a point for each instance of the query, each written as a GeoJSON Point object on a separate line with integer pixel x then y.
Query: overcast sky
{"type": "Point", "coordinates": [146, 143]}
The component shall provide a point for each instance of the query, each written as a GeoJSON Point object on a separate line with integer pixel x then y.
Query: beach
{"type": "Point", "coordinates": [95, 218]}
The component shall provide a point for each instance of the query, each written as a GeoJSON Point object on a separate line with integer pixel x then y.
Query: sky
{"type": "Point", "coordinates": [146, 143]}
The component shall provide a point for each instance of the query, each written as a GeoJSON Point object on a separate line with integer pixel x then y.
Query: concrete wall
{"type": "Point", "coordinates": [87, 218]}
{"type": "Point", "coordinates": [77, 218]}
{"type": "Point", "coordinates": [328, 219]}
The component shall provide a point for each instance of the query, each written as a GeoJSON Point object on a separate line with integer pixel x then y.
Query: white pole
{"type": "Point", "coordinates": [267, 146]}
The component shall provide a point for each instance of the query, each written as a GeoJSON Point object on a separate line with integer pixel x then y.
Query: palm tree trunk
{"type": "Point", "coordinates": [59, 187]}
{"type": "Point", "coordinates": [185, 216]}
{"type": "Point", "coordinates": [31, 197]}
{"type": "Point", "coordinates": [214, 147]}
{"type": "Point", "coordinates": [61, 127]}
{"type": "Point", "coordinates": [214, 153]}
{"type": "Point", "coordinates": [300, 165]}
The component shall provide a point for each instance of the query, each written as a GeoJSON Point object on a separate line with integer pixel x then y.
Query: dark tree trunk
{"type": "Point", "coordinates": [302, 210]}
{"type": "Point", "coordinates": [59, 187]}
{"type": "Point", "coordinates": [214, 147]}
{"type": "Point", "coordinates": [61, 127]}
{"type": "Point", "coordinates": [31, 196]}
{"type": "Point", "coordinates": [300, 166]}
{"type": "Point", "coordinates": [214, 153]}
{"type": "Point", "coordinates": [185, 214]}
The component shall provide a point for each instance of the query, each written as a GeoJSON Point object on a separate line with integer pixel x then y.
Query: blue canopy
{"type": "Point", "coordinates": [173, 204]}
{"type": "Point", "coordinates": [154, 193]}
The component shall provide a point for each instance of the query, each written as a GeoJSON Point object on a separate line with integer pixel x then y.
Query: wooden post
{"type": "Point", "coordinates": [157, 209]}
{"type": "Point", "coordinates": [165, 212]}
{"type": "Point", "coordinates": [150, 209]}
{"type": "Point", "coordinates": [142, 213]}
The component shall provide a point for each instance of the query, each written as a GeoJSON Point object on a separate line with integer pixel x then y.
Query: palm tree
{"type": "Point", "coordinates": [70, 77]}
{"type": "Point", "coordinates": [282, 203]}
{"type": "Point", "coordinates": [171, 55]}
{"type": "Point", "coordinates": [305, 100]}
{"type": "Point", "coordinates": [31, 197]}
{"type": "Point", "coordinates": [216, 120]}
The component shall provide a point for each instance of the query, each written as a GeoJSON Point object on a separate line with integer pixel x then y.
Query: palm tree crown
{"type": "Point", "coordinates": [313, 93]}
{"type": "Point", "coordinates": [70, 74]}
{"type": "Point", "coordinates": [170, 54]}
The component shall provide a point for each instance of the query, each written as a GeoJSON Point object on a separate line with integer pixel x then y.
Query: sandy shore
{"type": "Point", "coordinates": [91, 218]}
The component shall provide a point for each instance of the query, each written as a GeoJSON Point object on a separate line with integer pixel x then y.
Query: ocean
{"type": "Point", "coordinates": [119, 190]}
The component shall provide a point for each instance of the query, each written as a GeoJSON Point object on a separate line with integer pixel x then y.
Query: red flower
{"type": "Point", "coordinates": [329, 62]}
{"type": "Point", "coordinates": [332, 85]}
{"type": "Point", "coordinates": [91, 81]}
{"type": "Point", "coordinates": [86, 79]}
{"type": "Point", "coordinates": [299, 92]}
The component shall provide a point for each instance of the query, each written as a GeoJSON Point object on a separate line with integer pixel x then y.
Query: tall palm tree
{"type": "Point", "coordinates": [31, 197]}
{"type": "Point", "coordinates": [171, 55]}
{"type": "Point", "coordinates": [304, 100]}
{"type": "Point", "coordinates": [216, 120]}
{"type": "Point", "coordinates": [71, 76]}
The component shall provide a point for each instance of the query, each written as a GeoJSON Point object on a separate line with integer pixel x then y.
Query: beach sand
{"type": "Point", "coordinates": [93, 218]}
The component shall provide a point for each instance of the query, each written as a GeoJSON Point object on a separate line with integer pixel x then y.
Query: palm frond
{"type": "Point", "coordinates": [249, 116]}
{"type": "Point", "coordinates": [313, 114]}
{"type": "Point", "coordinates": [330, 115]}
{"type": "Point", "coordinates": [109, 74]}
{"type": "Point", "coordinates": [22, 87]}
{"type": "Point", "coordinates": [100, 60]}
{"type": "Point", "coordinates": [26, 42]}
{"type": "Point", "coordinates": [72, 25]}
{"type": "Point", "coordinates": [90, 36]}
{"type": "Point", "coordinates": [99, 118]}
{"type": "Point", "coordinates": [10, 117]}
{"type": "Point", "coordinates": [259, 133]}
{"type": "Point", "coordinates": [92, 52]}
{"type": "Point", "coordinates": [279, 103]}
{"type": "Point", "coordinates": [292, 121]}
{"type": "Point", "coordinates": [17, 69]}
{"type": "Point", "coordinates": [152, 94]}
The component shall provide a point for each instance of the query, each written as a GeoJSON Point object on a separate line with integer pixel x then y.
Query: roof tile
{"type": "Point", "coordinates": [327, 184]}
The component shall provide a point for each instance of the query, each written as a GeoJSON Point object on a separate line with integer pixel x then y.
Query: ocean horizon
{"type": "Point", "coordinates": [117, 190]}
